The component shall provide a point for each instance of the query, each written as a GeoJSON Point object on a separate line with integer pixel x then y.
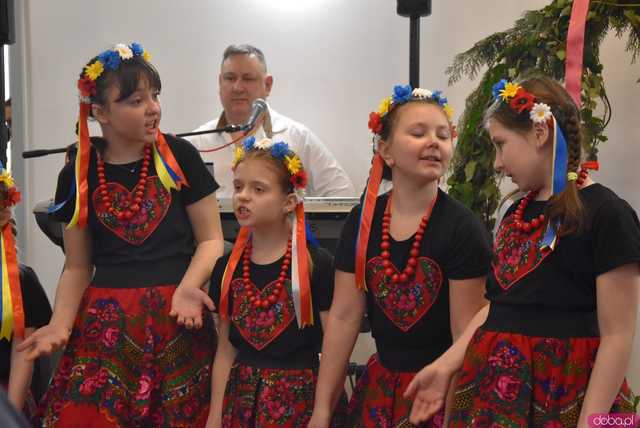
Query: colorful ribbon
{"type": "Point", "coordinates": [12, 310]}
{"type": "Point", "coordinates": [167, 167]}
{"type": "Point", "coordinates": [236, 253]}
{"type": "Point", "coordinates": [81, 172]}
{"type": "Point", "coordinates": [558, 176]}
{"type": "Point", "coordinates": [366, 217]}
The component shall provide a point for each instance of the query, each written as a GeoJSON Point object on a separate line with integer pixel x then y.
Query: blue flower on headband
{"type": "Point", "coordinates": [401, 93]}
{"type": "Point", "coordinates": [437, 96]}
{"type": "Point", "coordinates": [498, 87]}
{"type": "Point", "coordinates": [110, 59]}
{"type": "Point", "coordinates": [279, 150]}
{"type": "Point", "coordinates": [136, 48]}
{"type": "Point", "coordinates": [248, 143]}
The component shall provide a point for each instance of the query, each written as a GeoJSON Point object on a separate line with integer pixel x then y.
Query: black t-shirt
{"type": "Point", "coordinates": [564, 278]}
{"type": "Point", "coordinates": [159, 235]}
{"type": "Point", "coordinates": [273, 336]}
{"type": "Point", "coordinates": [37, 313]}
{"type": "Point", "coordinates": [414, 327]}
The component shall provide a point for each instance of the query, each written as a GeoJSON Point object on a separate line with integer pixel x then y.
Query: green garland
{"type": "Point", "coordinates": [536, 42]}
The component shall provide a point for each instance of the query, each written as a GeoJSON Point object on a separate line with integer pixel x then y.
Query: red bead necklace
{"type": "Point", "coordinates": [536, 222]}
{"type": "Point", "coordinates": [385, 245]}
{"type": "Point", "coordinates": [272, 298]}
{"type": "Point", "coordinates": [132, 204]}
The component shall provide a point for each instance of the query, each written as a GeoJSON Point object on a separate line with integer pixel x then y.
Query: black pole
{"type": "Point", "coordinates": [414, 51]}
{"type": "Point", "coordinates": [7, 37]}
{"type": "Point", "coordinates": [414, 10]}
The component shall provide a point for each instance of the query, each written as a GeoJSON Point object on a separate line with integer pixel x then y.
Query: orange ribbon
{"type": "Point", "coordinates": [236, 253]}
{"type": "Point", "coordinates": [303, 268]}
{"type": "Point", "coordinates": [366, 216]}
{"type": "Point", "coordinates": [170, 160]}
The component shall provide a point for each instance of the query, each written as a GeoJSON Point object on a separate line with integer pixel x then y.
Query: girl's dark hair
{"type": "Point", "coordinates": [388, 123]}
{"type": "Point", "coordinates": [126, 77]}
{"type": "Point", "coordinates": [564, 209]}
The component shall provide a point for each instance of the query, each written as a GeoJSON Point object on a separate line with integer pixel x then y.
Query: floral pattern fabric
{"type": "Point", "coordinates": [265, 398]}
{"type": "Point", "coordinates": [259, 326]}
{"type": "Point", "coordinates": [405, 303]}
{"type": "Point", "coordinates": [377, 400]}
{"type": "Point", "coordinates": [128, 364]}
{"type": "Point", "coordinates": [153, 208]}
{"type": "Point", "coordinates": [512, 380]}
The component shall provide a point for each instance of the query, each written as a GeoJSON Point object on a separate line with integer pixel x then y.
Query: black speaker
{"type": "Point", "coordinates": [7, 23]}
{"type": "Point", "coordinates": [414, 8]}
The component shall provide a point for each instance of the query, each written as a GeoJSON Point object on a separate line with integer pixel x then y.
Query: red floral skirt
{"type": "Point", "coordinates": [513, 380]}
{"type": "Point", "coordinates": [128, 364]}
{"type": "Point", "coordinates": [264, 398]}
{"type": "Point", "coordinates": [377, 400]}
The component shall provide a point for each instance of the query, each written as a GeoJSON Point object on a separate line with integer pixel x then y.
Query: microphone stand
{"type": "Point", "coordinates": [45, 152]}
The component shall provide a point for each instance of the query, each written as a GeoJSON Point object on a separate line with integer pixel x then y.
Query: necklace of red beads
{"type": "Point", "coordinates": [536, 222]}
{"type": "Point", "coordinates": [385, 245]}
{"type": "Point", "coordinates": [272, 298]}
{"type": "Point", "coordinates": [132, 204]}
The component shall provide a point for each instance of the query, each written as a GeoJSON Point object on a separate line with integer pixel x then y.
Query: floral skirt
{"type": "Point", "coordinates": [513, 380]}
{"type": "Point", "coordinates": [128, 364]}
{"type": "Point", "coordinates": [264, 398]}
{"type": "Point", "coordinates": [377, 400]}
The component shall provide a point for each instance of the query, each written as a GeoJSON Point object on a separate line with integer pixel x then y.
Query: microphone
{"type": "Point", "coordinates": [258, 107]}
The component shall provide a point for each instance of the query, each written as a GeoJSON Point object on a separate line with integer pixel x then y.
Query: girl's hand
{"type": "Point", "coordinates": [45, 341]}
{"type": "Point", "coordinates": [187, 305]}
{"type": "Point", "coordinates": [429, 391]}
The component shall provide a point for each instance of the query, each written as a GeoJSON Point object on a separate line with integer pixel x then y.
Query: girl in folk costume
{"type": "Point", "coordinates": [554, 344]}
{"type": "Point", "coordinates": [413, 258]}
{"type": "Point", "coordinates": [153, 234]}
{"type": "Point", "coordinates": [24, 307]}
{"type": "Point", "coordinates": [273, 293]}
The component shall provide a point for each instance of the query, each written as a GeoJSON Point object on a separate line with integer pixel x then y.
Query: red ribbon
{"type": "Point", "coordinates": [371, 194]}
{"type": "Point", "coordinates": [306, 310]}
{"type": "Point", "coordinates": [575, 49]}
{"type": "Point", "coordinates": [236, 253]}
{"type": "Point", "coordinates": [14, 281]}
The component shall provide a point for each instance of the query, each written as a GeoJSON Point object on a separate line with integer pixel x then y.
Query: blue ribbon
{"type": "Point", "coordinates": [558, 176]}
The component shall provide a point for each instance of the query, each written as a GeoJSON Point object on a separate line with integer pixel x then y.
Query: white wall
{"type": "Point", "coordinates": [332, 61]}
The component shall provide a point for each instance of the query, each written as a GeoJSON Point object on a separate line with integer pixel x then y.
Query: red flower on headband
{"type": "Point", "coordinates": [375, 124]}
{"type": "Point", "coordinates": [86, 86]}
{"type": "Point", "coordinates": [12, 197]}
{"type": "Point", "coordinates": [522, 101]}
{"type": "Point", "coordinates": [299, 179]}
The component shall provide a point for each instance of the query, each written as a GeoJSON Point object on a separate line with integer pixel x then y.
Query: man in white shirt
{"type": "Point", "coordinates": [244, 78]}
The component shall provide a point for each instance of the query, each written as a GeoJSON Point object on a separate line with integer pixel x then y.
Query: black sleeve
{"type": "Point", "coordinates": [469, 254]}
{"type": "Point", "coordinates": [65, 192]}
{"type": "Point", "coordinates": [616, 236]}
{"type": "Point", "coordinates": [201, 182]}
{"type": "Point", "coordinates": [37, 309]}
{"type": "Point", "coordinates": [346, 250]}
{"type": "Point", "coordinates": [216, 280]}
{"type": "Point", "coordinates": [322, 279]}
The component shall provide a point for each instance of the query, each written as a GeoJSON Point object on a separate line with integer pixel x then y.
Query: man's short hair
{"type": "Point", "coordinates": [244, 49]}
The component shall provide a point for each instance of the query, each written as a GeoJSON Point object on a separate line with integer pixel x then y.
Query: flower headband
{"type": "Point", "coordinates": [281, 152]}
{"type": "Point", "coordinates": [401, 95]}
{"type": "Point", "coordinates": [521, 101]}
{"type": "Point", "coordinates": [110, 60]}
{"type": "Point", "coordinates": [9, 194]}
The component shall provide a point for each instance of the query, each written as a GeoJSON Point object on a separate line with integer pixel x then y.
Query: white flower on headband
{"type": "Point", "coordinates": [264, 144]}
{"type": "Point", "coordinates": [300, 193]}
{"type": "Point", "coordinates": [422, 93]}
{"type": "Point", "coordinates": [540, 113]}
{"type": "Point", "coordinates": [123, 50]}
